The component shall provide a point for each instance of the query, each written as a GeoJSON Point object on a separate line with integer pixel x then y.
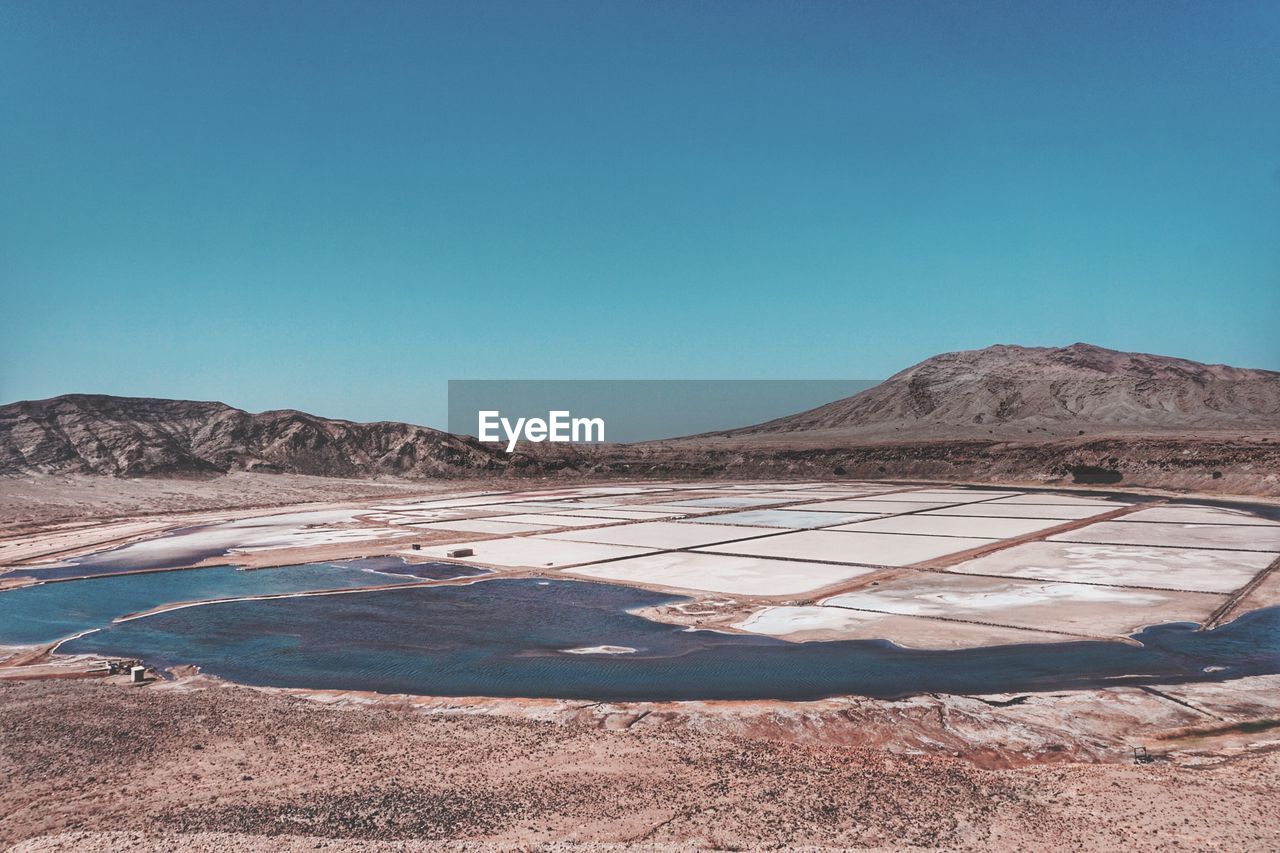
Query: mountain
{"type": "Point", "coordinates": [130, 437]}
{"type": "Point", "coordinates": [1003, 414]}
{"type": "Point", "coordinates": [1008, 391]}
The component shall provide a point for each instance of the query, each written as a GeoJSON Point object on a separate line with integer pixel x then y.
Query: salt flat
{"type": "Point", "coordinates": [962, 492]}
{"type": "Point", "coordinates": [1123, 565]}
{"type": "Point", "coordinates": [445, 503]}
{"type": "Point", "coordinates": [730, 575]}
{"type": "Point", "coordinates": [662, 534]}
{"type": "Point", "coordinates": [1229, 536]}
{"type": "Point", "coordinates": [454, 514]}
{"type": "Point", "coordinates": [622, 514]}
{"type": "Point", "coordinates": [1063, 500]}
{"type": "Point", "coordinates": [875, 549]}
{"type": "Point", "coordinates": [555, 506]}
{"type": "Point", "coordinates": [554, 519]}
{"type": "Point", "coordinates": [1085, 582]}
{"type": "Point", "coordinates": [998, 509]}
{"type": "Point", "coordinates": [875, 506]}
{"type": "Point", "coordinates": [814, 622]}
{"type": "Point", "coordinates": [1200, 515]}
{"type": "Point", "coordinates": [671, 508]}
{"type": "Point", "coordinates": [928, 524]}
{"type": "Point", "coordinates": [482, 525]}
{"type": "Point", "coordinates": [946, 496]}
{"type": "Point", "coordinates": [531, 551]}
{"type": "Point", "coordinates": [1067, 607]}
{"type": "Point", "coordinates": [793, 518]}
{"type": "Point", "coordinates": [734, 502]}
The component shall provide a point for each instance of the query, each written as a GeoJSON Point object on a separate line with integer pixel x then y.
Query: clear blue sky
{"type": "Point", "coordinates": [339, 206]}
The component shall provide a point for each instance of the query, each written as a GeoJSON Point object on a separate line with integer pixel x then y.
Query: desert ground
{"type": "Point", "coordinates": [192, 762]}
{"type": "Point", "coordinates": [108, 767]}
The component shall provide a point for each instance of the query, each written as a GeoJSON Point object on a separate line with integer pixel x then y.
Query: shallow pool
{"type": "Point", "coordinates": [47, 612]}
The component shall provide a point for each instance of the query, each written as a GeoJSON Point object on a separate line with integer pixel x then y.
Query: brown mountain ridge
{"type": "Point", "coordinates": [135, 436]}
{"type": "Point", "coordinates": [1012, 390]}
{"type": "Point", "coordinates": [1005, 413]}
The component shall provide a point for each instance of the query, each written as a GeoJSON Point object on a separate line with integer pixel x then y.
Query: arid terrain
{"type": "Point", "coordinates": [842, 523]}
{"type": "Point", "coordinates": [194, 763]}
{"type": "Point", "coordinates": [105, 767]}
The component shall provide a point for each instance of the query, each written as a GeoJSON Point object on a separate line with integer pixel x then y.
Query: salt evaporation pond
{"type": "Point", "coordinates": [190, 545]}
{"type": "Point", "coordinates": [514, 638]}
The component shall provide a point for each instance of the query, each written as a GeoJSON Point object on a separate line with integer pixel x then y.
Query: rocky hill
{"type": "Point", "coordinates": [131, 437]}
{"type": "Point", "coordinates": [1012, 391]}
{"type": "Point", "coordinates": [1078, 414]}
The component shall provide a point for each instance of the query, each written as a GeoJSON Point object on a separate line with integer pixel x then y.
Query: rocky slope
{"type": "Point", "coordinates": [1075, 390]}
{"type": "Point", "coordinates": [130, 437]}
{"type": "Point", "coordinates": [1078, 414]}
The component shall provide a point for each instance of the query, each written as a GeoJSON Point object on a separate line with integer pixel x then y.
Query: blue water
{"type": "Point", "coordinates": [510, 638]}
{"type": "Point", "coordinates": [47, 612]}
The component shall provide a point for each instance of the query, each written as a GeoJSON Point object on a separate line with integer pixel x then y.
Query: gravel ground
{"type": "Point", "coordinates": [231, 768]}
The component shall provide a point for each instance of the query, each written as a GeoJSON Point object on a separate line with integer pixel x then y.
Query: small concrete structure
{"type": "Point", "coordinates": [456, 553]}
{"type": "Point", "coordinates": [137, 674]}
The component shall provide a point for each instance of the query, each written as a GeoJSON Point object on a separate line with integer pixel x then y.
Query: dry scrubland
{"type": "Point", "coordinates": [34, 500]}
{"type": "Point", "coordinates": [233, 768]}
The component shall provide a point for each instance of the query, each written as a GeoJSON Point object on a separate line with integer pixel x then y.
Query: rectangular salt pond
{"type": "Point", "coordinates": [1123, 565]}
{"type": "Point", "coordinates": [44, 613]}
{"type": "Point", "coordinates": [1068, 607]}
{"type": "Point", "coordinates": [873, 506]}
{"type": "Point", "coordinates": [996, 509]}
{"type": "Point", "coordinates": [1200, 515]}
{"type": "Point", "coordinates": [943, 525]}
{"type": "Point", "coordinates": [808, 622]}
{"type": "Point", "coordinates": [484, 525]}
{"type": "Point", "coordinates": [1236, 537]}
{"type": "Point", "coordinates": [743, 502]}
{"type": "Point", "coordinates": [554, 520]}
{"type": "Point", "coordinates": [731, 575]}
{"type": "Point", "coordinates": [622, 514]}
{"type": "Point", "coordinates": [532, 552]}
{"type": "Point", "coordinates": [1062, 500]}
{"type": "Point", "coordinates": [840, 546]}
{"type": "Point", "coordinates": [663, 534]}
{"type": "Point", "coordinates": [797, 519]}
{"type": "Point", "coordinates": [944, 496]}
{"type": "Point", "coordinates": [671, 509]}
